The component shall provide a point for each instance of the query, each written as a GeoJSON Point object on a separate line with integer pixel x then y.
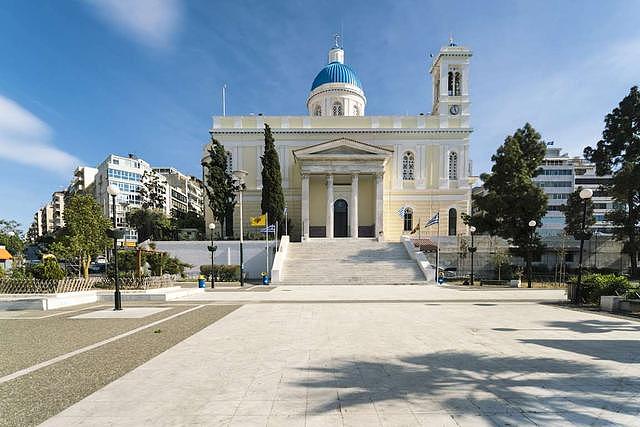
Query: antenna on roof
{"type": "Point", "coordinates": [224, 100]}
{"type": "Point", "coordinates": [451, 42]}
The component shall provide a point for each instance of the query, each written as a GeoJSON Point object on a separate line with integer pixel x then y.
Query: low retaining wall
{"type": "Point", "coordinates": [277, 274]}
{"type": "Point", "coordinates": [425, 266]}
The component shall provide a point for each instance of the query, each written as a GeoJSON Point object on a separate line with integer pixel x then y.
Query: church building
{"type": "Point", "coordinates": [346, 174]}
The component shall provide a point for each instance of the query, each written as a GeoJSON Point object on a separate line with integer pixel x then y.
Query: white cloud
{"type": "Point", "coordinates": [24, 138]}
{"type": "Point", "coordinates": [150, 22]}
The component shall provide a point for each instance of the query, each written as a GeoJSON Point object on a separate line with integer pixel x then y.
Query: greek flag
{"type": "Point", "coordinates": [434, 220]}
{"type": "Point", "coordinates": [401, 211]}
{"type": "Point", "coordinates": [269, 229]}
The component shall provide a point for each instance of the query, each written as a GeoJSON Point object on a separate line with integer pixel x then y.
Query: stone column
{"type": "Point", "coordinates": [353, 206]}
{"type": "Point", "coordinates": [379, 205]}
{"type": "Point", "coordinates": [329, 222]}
{"type": "Point", "coordinates": [305, 206]}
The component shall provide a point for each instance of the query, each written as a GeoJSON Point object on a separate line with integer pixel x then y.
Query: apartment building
{"type": "Point", "coordinates": [183, 193]}
{"type": "Point", "coordinates": [560, 176]}
{"type": "Point", "coordinates": [126, 173]}
{"type": "Point", "coordinates": [83, 180]}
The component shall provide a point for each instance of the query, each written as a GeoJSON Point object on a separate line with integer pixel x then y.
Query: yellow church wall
{"type": "Point", "coordinates": [366, 200]}
{"type": "Point", "coordinates": [248, 163]}
{"type": "Point", "coordinates": [423, 210]}
{"type": "Point", "coordinates": [317, 201]}
{"type": "Point", "coordinates": [295, 180]}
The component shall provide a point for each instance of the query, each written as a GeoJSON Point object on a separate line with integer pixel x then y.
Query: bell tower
{"type": "Point", "coordinates": [450, 76]}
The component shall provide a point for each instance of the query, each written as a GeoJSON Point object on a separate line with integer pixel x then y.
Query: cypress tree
{"type": "Point", "coordinates": [220, 185]}
{"type": "Point", "coordinates": [272, 194]}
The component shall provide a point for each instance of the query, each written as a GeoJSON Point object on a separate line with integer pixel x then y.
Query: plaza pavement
{"type": "Point", "coordinates": [449, 363]}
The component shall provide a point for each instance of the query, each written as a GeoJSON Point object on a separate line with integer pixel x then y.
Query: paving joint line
{"type": "Point", "coordinates": [62, 357]}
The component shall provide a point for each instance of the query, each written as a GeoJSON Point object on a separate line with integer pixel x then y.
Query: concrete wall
{"type": "Point", "coordinates": [196, 254]}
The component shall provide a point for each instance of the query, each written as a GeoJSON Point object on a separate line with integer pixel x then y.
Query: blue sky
{"type": "Point", "coordinates": [82, 78]}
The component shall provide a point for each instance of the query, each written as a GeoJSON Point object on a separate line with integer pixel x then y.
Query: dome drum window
{"type": "Point", "coordinates": [337, 109]}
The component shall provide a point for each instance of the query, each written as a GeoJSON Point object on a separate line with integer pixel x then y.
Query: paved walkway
{"type": "Point", "coordinates": [311, 293]}
{"type": "Point", "coordinates": [366, 364]}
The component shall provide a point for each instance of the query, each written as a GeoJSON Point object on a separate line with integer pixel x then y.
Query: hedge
{"type": "Point", "coordinates": [223, 273]}
{"type": "Point", "coordinates": [596, 285]}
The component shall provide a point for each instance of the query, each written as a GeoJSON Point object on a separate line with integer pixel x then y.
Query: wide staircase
{"type": "Point", "coordinates": [349, 261]}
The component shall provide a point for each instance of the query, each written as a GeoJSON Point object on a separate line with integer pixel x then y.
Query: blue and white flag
{"type": "Point", "coordinates": [402, 211]}
{"type": "Point", "coordinates": [269, 229]}
{"type": "Point", "coordinates": [434, 220]}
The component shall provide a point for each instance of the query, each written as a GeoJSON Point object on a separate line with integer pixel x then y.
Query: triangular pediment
{"type": "Point", "coordinates": [342, 147]}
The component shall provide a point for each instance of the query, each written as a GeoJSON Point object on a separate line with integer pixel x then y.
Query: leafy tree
{"type": "Point", "coordinates": [511, 199]}
{"type": "Point", "coordinates": [220, 185]}
{"type": "Point", "coordinates": [11, 236]}
{"type": "Point", "coordinates": [85, 231]}
{"type": "Point", "coordinates": [272, 195]}
{"type": "Point", "coordinates": [152, 191]}
{"type": "Point", "coordinates": [187, 220]}
{"type": "Point", "coordinates": [573, 216]}
{"type": "Point", "coordinates": [149, 223]}
{"type": "Point", "coordinates": [618, 153]}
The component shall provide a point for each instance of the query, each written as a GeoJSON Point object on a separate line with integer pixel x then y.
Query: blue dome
{"type": "Point", "coordinates": [336, 72]}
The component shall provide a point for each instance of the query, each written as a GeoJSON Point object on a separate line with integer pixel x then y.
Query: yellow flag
{"type": "Point", "coordinates": [258, 221]}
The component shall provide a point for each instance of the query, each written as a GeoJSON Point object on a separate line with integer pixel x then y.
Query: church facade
{"type": "Point", "coordinates": [349, 175]}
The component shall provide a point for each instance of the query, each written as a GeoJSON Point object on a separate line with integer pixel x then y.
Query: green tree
{"type": "Point", "coordinates": [150, 224]}
{"type": "Point", "coordinates": [511, 199]}
{"type": "Point", "coordinates": [272, 194]}
{"type": "Point", "coordinates": [187, 220]}
{"type": "Point", "coordinates": [220, 185]}
{"type": "Point", "coordinates": [85, 232]}
{"type": "Point", "coordinates": [573, 216]}
{"type": "Point", "coordinates": [152, 191]}
{"type": "Point", "coordinates": [11, 237]}
{"type": "Point", "coordinates": [618, 153]}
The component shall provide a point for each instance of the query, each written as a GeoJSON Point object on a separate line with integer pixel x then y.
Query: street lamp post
{"type": "Point", "coordinates": [532, 226]}
{"type": "Point", "coordinates": [117, 297]}
{"type": "Point", "coordinates": [585, 195]}
{"type": "Point", "coordinates": [212, 248]}
{"type": "Point", "coordinates": [472, 250]}
{"type": "Point", "coordinates": [240, 175]}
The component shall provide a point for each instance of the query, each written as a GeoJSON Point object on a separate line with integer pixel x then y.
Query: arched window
{"type": "Point", "coordinates": [229, 162]}
{"type": "Point", "coordinates": [317, 110]}
{"type": "Point", "coordinates": [453, 222]}
{"type": "Point", "coordinates": [453, 165]}
{"type": "Point", "coordinates": [450, 83]}
{"type": "Point", "coordinates": [356, 110]}
{"type": "Point", "coordinates": [408, 219]}
{"type": "Point", "coordinates": [457, 88]}
{"type": "Point", "coordinates": [408, 166]}
{"type": "Point", "coordinates": [337, 109]}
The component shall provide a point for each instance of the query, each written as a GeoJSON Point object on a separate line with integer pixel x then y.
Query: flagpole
{"type": "Point", "coordinates": [438, 247]}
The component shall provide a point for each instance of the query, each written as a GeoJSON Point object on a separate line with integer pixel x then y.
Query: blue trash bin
{"type": "Point", "coordinates": [202, 282]}
{"type": "Point", "coordinates": [265, 279]}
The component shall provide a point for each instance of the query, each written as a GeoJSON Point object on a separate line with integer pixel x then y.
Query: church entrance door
{"type": "Point", "coordinates": [340, 218]}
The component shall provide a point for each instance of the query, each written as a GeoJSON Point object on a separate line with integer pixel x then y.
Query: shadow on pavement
{"type": "Point", "coordinates": [465, 383]}
{"type": "Point", "coordinates": [623, 351]}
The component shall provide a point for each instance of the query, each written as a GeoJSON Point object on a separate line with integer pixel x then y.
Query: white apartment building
{"type": "Point", "coordinates": [183, 193]}
{"type": "Point", "coordinates": [126, 173]}
{"type": "Point", "coordinates": [561, 175]}
{"type": "Point", "coordinates": [83, 179]}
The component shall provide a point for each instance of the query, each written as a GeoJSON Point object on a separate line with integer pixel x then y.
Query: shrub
{"type": "Point", "coordinates": [223, 273]}
{"type": "Point", "coordinates": [1, 272]}
{"type": "Point", "coordinates": [596, 285]}
{"type": "Point", "coordinates": [49, 269]}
